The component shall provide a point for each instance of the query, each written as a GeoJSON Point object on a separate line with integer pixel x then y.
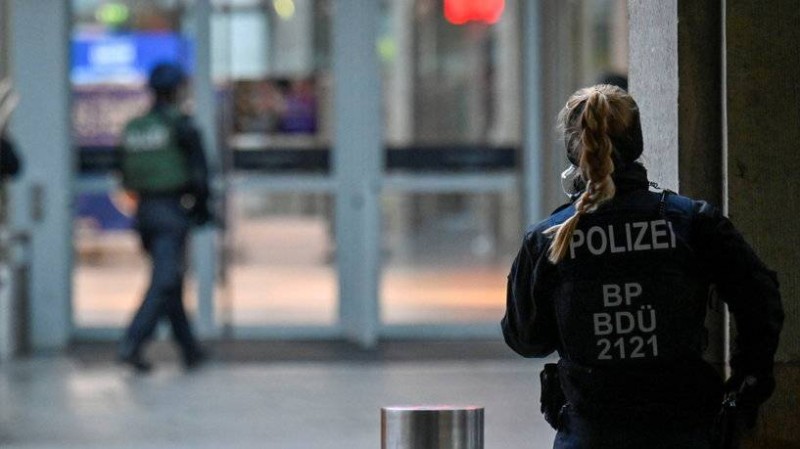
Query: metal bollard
{"type": "Point", "coordinates": [432, 427]}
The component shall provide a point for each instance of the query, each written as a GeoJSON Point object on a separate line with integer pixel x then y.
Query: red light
{"type": "Point", "coordinates": [459, 12]}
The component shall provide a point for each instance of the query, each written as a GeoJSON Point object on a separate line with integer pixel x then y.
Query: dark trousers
{"type": "Point", "coordinates": [576, 432]}
{"type": "Point", "coordinates": [164, 228]}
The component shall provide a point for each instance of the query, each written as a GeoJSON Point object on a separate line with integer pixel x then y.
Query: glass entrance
{"type": "Point", "coordinates": [269, 71]}
{"type": "Point", "coordinates": [418, 243]}
{"type": "Point", "coordinates": [451, 199]}
{"type": "Point", "coordinates": [271, 63]}
{"type": "Point", "coordinates": [113, 46]}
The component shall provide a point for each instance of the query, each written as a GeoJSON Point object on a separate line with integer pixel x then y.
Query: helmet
{"type": "Point", "coordinates": [166, 77]}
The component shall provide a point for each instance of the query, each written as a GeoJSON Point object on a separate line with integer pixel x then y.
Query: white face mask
{"type": "Point", "coordinates": [571, 181]}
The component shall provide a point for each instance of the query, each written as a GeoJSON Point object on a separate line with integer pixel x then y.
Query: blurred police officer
{"type": "Point", "coordinates": [163, 164]}
{"type": "Point", "coordinates": [618, 281]}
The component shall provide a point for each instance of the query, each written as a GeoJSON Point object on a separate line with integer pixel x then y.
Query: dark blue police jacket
{"type": "Point", "coordinates": [625, 308]}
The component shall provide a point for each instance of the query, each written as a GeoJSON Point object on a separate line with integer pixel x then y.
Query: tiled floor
{"type": "Point", "coordinates": [330, 403]}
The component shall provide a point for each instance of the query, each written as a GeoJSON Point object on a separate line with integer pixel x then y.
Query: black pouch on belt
{"type": "Point", "coordinates": [552, 395]}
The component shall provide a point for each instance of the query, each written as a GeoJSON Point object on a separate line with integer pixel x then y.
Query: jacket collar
{"type": "Point", "coordinates": [632, 176]}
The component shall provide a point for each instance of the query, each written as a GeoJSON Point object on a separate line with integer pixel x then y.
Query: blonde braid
{"type": "Point", "coordinates": [596, 166]}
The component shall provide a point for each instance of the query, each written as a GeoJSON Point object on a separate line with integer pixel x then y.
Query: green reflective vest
{"type": "Point", "coordinates": [152, 161]}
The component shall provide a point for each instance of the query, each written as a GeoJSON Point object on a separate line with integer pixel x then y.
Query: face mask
{"type": "Point", "coordinates": [571, 181]}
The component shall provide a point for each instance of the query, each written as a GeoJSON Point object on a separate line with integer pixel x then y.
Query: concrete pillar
{"type": "Point", "coordinates": [400, 80]}
{"type": "Point", "coordinates": [506, 62]}
{"type": "Point", "coordinates": [619, 36]}
{"type": "Point", "coordinates": [400, 116]}
{"type": "Point", "coordinates": [197, 26]}
{"type": "Point", "coordinates": [550, 75]}
{"type": "Point", "coordinates": [709, 77]}
{"type": "Point", "coordinates": [534, 145]}
{"type": "Point", "coordinates": [675, 76]}
{"type": "Point", "coordinates": [763, 166]}
{"type": "Point", "coordinates": [357, 161]}
{"type": "Point", "coordinates": [586, 38]}
{"type": "Point", "coordinates": [4, 34]}
{"type": "Point", "coordinates": [39, 49]}
{"type": "Point", "coordinates": [506, 125]}
{"type": "Point", "coordinates": [5, 274]}
{"type": "Point", "coordinates": [475, 53]}
{"type": "Point", "coordinates": [3, 39]}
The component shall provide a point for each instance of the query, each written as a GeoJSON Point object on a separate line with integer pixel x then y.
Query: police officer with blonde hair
{"type": "Point", "coordinates": [617, 283]}
{"type": "Point", "coordinates": [162, 162]}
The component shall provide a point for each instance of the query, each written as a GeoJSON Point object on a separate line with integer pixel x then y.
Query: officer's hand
{"type": "Point", "coordinates": [201, 216]}
{"type": "Point", "coordinates": [196, 210]}
{"type": "Point", "coordinates": [748, 417]}
{"type": "Point", "coordinates": [751, 391]}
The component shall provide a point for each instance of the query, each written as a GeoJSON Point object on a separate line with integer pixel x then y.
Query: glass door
{"type": "Point", "coordinates": [451, 200]}
{"type": "Point", "coordinates": [113, 46]}
{"type": "Point", "coordinates": [271, 66]}
{"type": "Point", "coordinates": [270, 71]}
{"type": "Point", "coordinates": [391, 210]}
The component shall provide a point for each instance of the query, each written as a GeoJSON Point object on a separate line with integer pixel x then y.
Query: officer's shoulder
{"type": "Point", "coordinates": [184, 116]}
{"type": "Point", "coordinates": [684, 205]}
{"type": "Point", "coordinates": [139, 119]}
{"type": "Point", "coordinates": [185, 122]}
{"type": "Point", "coordinates": [677, 203]}
{"type": "Point", "coordinates": [558, 216]}
{"type": "Point", "coordinates": [178, 115]}
{"type": "Point", "coordinates": [136, 124]}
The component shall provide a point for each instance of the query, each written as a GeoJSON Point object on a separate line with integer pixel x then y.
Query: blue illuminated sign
{"type": "Point", "coordinates": [126, 58]}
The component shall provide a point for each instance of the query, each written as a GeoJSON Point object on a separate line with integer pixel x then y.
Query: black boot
{"type": "Point", "coordinates": [193, 358]}
{"type": "Point", "coordinates": [131, 357]}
